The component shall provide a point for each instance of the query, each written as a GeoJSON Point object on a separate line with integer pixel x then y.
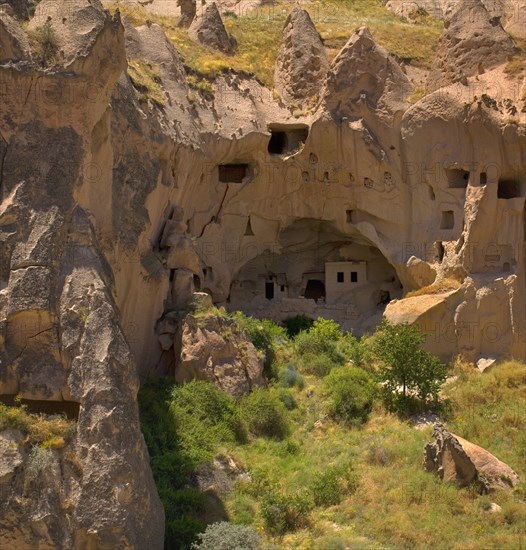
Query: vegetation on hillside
{"type": "Point", "coordinates": [258, 35]}
{"type": "Point", "coordinates": [329, 466]}
{"type": "Point", "coordinates": [43, 430]}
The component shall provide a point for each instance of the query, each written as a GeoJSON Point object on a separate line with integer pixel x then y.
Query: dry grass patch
{"type": "Point", "coordinates": [47, 431]}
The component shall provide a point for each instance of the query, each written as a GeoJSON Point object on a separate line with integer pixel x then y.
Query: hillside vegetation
{"type": "Point", "coordinates": [258, 35]}
{"type": "Point", "coordinates": [330, 462]}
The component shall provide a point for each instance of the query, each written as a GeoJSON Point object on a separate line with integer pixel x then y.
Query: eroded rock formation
{"type": "Point", "coordinates": [122, 194]}
{"type": "Point", "coordinates": [302, 62]}
{"type": "Point", "coordinates": [472, 42]}
{"type": "Point", "coordinates": [208, 29]}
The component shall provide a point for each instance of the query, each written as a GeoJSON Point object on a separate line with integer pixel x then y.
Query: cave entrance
{"type": "Point", "coordinates": [233, 173]}
{"type": "Point", "coordinates": [70, 409]}
{"type": "Point", "coordinates": [315, 290]}
{"type": "Point", "coordinates": [508, 189]}
{"type": "Point", "coordinates": [286, 139]}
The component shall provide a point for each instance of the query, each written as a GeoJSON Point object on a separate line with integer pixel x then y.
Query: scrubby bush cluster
{"type": "Point", "coordinates": [318, 376]}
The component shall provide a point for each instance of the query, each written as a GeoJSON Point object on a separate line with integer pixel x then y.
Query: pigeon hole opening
{"type": "Point", "coordinates": [508, 189]}
{"type": "Point", "coordinates": [286, 140]}
{"type": "Point", "coordinates": [233, 173]}
{"type": "Point", "coordinates": [69, 409]}
{"type": "Point", "coordinates": [457, 178]}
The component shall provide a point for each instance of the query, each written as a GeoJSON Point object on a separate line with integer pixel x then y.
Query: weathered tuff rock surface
{"type": "Point", "coordinates": [302, 63]}
{"type": "Point", "coordinates": [463, 463]}
{"type": "Point", "coordinates": [215, 349]}
{"type": "Point", "coordinates": [115, 209]}
{"type": "Point", "coordinates": [208, 29]}
{"type": "Point", "coordinates": [472, 42]}
{"type": "Point", "coordinates": [510, 12]}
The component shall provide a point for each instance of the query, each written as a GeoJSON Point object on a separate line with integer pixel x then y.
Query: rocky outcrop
{"type": "Point", "coordinates": [456, 460]}
{"type": "Point", "coordinates": [472, 42]}
{"type": "Point", "coordinates": [208, 29]}
{"type": "Point", "coordinates": [365, 79]}
{"type": "Point", "coordinates": [510, 12]}
{"type": "Point", "coordinates": [62, 341]}
{"type": "Point", "coordinates": [302, 64]}
{"type": "Point", "coordinates": [14, 45]}
{"type": "Point", "coordinates": [188, 11]}
{"type": "Point", "coordinates": [215, 349]}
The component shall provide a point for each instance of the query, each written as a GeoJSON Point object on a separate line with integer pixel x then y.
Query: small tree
{"type": "Point", "coordinates": [406, 369]}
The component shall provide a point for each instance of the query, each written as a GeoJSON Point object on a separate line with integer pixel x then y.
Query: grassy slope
{"type": "Point", "coordinates": [258, 35]}
{"type": "Point", "coordinates": [397, 504]}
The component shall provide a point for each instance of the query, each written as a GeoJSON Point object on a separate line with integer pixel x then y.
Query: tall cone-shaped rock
{"type": "Point", "coordinates": [364, 77]}
{"type": "Point", "coordinates": [472, 41]}
{"type": "Point", "coordinates": [302, 61]}
{"type": "Point", "coordinates": [208, 29]}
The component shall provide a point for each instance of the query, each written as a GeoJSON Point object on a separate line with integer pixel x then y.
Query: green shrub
{"type": "Point", "coordinates": [407, 371]}
{"type": "Point", "coordinates": [227, 536]}
{"type": "Point", "coordinates": [354, 350]}
{"type": "Point", "coordinates": [182, 531]}
{"type": "Point", "coordinates": [330, 486]}
{"type": "Point", "coordinates": [282, 513]}
{"type": "Point", "coordinates": [264, 414]}
{"type": "Point", "coordinates": [183, 426]}
{"type": "Point", "coordinates": [298, 323]}
{"type": "Point", "coordinates": [317, 365]}
{"type": "Point", "coordinates": [321, 339]}
{"type": "Point", "coordinates": [204, 416]}
{"type": "Point", "coordinates": [289, 377]}
{"type": "Point", "coordinates": [287, 399]}
{"type": "Point", "coordinates": [350, 392]}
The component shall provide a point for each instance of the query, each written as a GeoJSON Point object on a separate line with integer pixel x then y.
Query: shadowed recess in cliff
{"type": "Point", "coordinates": [70, 409]}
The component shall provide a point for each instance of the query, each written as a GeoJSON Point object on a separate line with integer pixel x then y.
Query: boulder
{"type": "Point", "coordinates": [208, 29]}
{"type": "Point", "coordinates": [463, 463]}
{"type": "Point", "coordinates": [302, 63]}
{"type": "Point", "coordinates": [472, 41]}
{"type": "Point", "coordinates": [216, 349]}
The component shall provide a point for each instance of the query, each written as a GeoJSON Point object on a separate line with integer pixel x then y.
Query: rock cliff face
{"type": "Point", "coordinates": [120, 200]}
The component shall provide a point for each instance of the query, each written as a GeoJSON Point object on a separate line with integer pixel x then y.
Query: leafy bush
{"type": "Point", "coordinates": [204, 416]}
{"type": "Point", "coordinates": [321, 339]}
{"type": "Point", "coordinates": [406, 371]}
{"type": "Point", "coordinates": [330, 486]}
{"type": "Point", "coordinates": [287, 399]}
{"type": "Point", "coordinates": [350, 392]}
{"type": "Point", "coordinates": [354, 350]}
{"type": "Point", "coordinates": [298, 323]}
{"type": "Point", "coordinates": [264, 414]}
{"type": "Point", "coordinates": [227, 536]}
{"type": "Point", "coordinates": [289, 377]}
{"type": "Point", "coordinates": [183, 426]}
{"type": "Point", "coordinates": [317, 365]}
{"type": "Point", "coordinates": [282, 513]}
